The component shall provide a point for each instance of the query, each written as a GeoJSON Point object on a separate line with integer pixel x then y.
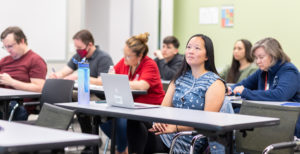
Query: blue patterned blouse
{"type": "Point", "coordinates": [190, 94]}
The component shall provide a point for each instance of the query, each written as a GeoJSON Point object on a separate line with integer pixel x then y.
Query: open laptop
{"type": "Point", "coordinates": [118, 93]}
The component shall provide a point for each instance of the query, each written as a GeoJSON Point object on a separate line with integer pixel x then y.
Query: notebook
{"type": "Point", "coordinates": [118, 93]}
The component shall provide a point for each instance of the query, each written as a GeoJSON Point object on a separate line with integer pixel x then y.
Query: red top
{"type": "Point", "coordinates": [30, 65]}
{"type": "Point", "coordinates": [147, 71]}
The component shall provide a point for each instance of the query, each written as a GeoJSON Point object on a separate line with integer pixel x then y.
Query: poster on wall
{"type": "Point", "coordinates": [227, 13]}
{"type": "Point", "coordinates": [208, 15]}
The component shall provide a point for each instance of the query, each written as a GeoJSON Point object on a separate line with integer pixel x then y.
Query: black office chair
{"type": "Point", "coordinates": [57, 90]}
{"type": "Point", "coordinates": [256, 140]}
{"type": "Point", "coordinates": [52, 116]}
{"type": "Point", "coordinates": [54, 91]}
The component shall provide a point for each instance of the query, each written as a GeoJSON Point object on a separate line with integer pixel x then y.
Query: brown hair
{"type": "Point", "coordinates": [272, 48]}
{"type": "Point", "coordinates": [18, 34]}
{"type": "Point", "coordinates": [171, 40]}
{"type": "Point", "coordinates": [138, 44]}
{"type": "Point", "coordinates": [85, 36]}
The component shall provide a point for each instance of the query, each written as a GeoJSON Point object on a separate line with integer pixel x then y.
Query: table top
{"type": "Point", "coordinates": [10, 94]}
{"type": "Point", "coordinates": [99, 90]}
{"type": "Point", "coordinates": [203, 120]}
{"type": "Point", "coordinates": [17, 137]}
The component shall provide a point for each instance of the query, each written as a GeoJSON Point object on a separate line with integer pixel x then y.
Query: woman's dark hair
{"type": "Point", "coordinates": [235, 65]}
{"type": "Point", "coordinates": [209, 64]}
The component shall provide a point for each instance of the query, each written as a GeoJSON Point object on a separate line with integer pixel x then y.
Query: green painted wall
{"type": "Point", "coordinates": [253, 20]}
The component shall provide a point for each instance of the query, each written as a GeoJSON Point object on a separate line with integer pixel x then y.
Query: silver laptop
{"type": "Point", "coordinates": [118, 93]}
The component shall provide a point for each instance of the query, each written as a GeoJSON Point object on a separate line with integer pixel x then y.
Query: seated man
{"type": "Point", "coordinates": [168, 60]}
{"type": "Point", "coordinates": [99, 62]}
{"type": "Point", "coordinates": [22, 69]}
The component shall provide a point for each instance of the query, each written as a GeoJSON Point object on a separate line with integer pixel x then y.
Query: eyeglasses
{"type": "Point", "coordinates": [128, 57]}
{"type": "Point", "coordinates": [8, 46]}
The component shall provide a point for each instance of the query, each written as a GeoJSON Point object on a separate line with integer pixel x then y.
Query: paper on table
{"type": "Point", "coordinates": [290, 104]}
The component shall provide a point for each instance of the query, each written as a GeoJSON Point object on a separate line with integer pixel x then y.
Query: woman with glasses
{"type": "Point", "coordinates": [276, 80]}
{"type": "Point", "coordinates": [143, 74]}
{"type": "Point", "coordinates": [196, 86]}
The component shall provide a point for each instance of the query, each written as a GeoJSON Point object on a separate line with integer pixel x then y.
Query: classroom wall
{"type": "Point", "coordinates": [113, 22]}
{"type": "Point", "coordinates": [253, 20]}
{"type": "Point", "coordinates": [75, 22]}
{"type": "Point", "coordinates": [43, 22]}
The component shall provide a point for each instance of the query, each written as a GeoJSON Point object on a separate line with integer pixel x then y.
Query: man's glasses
{"type": "Point", "coordinates": [8, 46]}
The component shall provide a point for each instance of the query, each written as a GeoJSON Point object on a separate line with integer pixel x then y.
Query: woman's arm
{"type": "Point", "coordinates": [167, 101]}
{"type": "Point", "coordinates": [139, 85]}
{"type": "Point", "coordinates": [214, 96]}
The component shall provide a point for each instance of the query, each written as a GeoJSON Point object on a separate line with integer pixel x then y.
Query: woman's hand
{"type": "Point", "coordinates": [229, 91]}
{"type": "Point", "coordinates": [238, 90]}
{"type": "Point", "coordinates": [161, 128]}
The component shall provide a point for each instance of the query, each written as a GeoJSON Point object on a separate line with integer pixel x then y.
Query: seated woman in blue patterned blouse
{"type": "Point", "coordinates": [196, 86]}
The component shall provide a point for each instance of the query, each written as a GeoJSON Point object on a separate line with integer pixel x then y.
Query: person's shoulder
{"type": "Point", "coordinates": [212, 75]}
{"type": "Point", "coordinates": [148, 60]}
{"type": "Point", "coordinates": [102, 53]}
{"type": "Point", "coordinates": [288, 66]}
{"type": "Point", "coordinates": [253, 66]}
{"type": "Point", "coordinates": [178, 56]}
{"type": "Point", "coordinates": [5, 59]}
{"type": "Point", "coordinates": [33, 55]}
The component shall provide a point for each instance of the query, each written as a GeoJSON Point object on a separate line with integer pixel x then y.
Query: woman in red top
{"type": "Point", "coordinates": [142, 71]}
{"type": "Point", "coordinates": [143, 74]}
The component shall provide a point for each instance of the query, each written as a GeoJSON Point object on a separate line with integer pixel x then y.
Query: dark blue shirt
{"type": "Point", "coordinates": [284, 84]}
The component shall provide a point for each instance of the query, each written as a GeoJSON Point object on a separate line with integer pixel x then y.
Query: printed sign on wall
{"type": "Point", "coordinates": [208, 15]}
{"type": "Point", "coordinates": [227, 13]}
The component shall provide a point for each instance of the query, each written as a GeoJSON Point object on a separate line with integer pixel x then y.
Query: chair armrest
{"type": "Point", "coordinates": [178, 135]}
{"type": "Point", "coordinates": [31, 103]}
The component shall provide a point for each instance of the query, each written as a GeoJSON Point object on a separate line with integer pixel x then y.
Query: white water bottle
{"type": "Point", "coordinates": [111, 70]}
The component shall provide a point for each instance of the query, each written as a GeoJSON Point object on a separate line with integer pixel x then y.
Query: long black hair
{"type": "Point", "coordinates": [235, 65]}
{"type": "Point", "coordinates": [209, 64]}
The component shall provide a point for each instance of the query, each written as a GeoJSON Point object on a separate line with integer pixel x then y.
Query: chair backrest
{"type": "Point", "coordinates": [52, 116]}
{"type": "Point", "coordinates": [256, 140]}
{"type": "Point", "coordinates": [57, 91]}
